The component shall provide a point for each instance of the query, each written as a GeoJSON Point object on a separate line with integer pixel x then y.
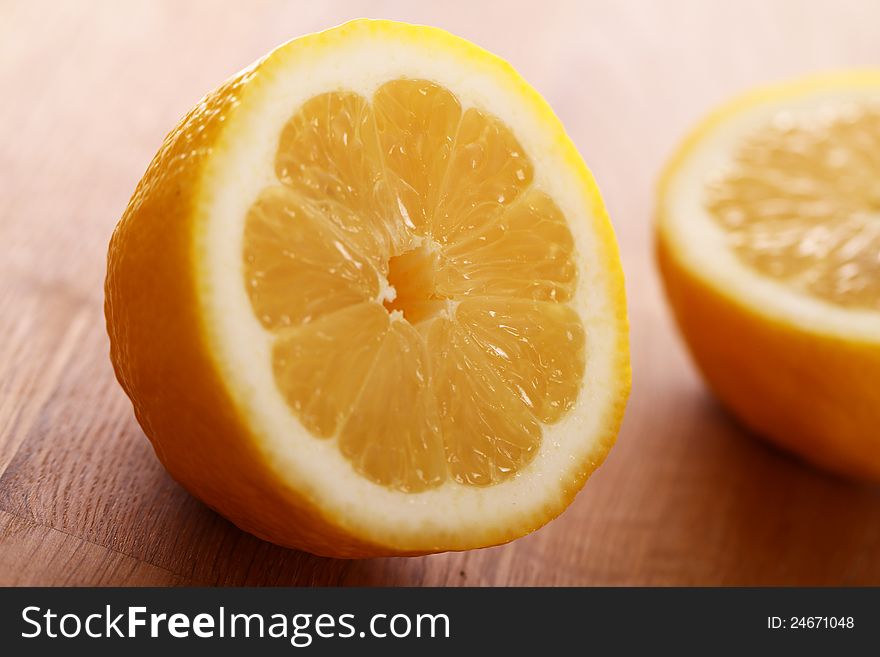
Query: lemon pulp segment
{"type": "Point", "coordinates": [415, 281]}
{"type": "Point", "coordinates": [800, 202]}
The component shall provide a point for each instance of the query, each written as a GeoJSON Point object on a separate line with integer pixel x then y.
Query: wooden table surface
{"type": "Point", "coordinates": [88, 90]}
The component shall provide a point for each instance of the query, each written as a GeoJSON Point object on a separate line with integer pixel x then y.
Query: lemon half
{"type": "Point", "coordinates": [366, 300]}
{"type": "Point", "coordinates": [769, 245]}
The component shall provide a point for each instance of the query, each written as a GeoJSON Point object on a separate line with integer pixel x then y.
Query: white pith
{"type": "Point", "coordinates": [244, 165]}
{"type": "Point", "coordinates": [700, 243]}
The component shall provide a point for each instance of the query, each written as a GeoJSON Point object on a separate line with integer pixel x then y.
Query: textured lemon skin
{"type": "Point", "coordinates": [163, 355]}
{"type": "Point", "coordinates": [813, 393]}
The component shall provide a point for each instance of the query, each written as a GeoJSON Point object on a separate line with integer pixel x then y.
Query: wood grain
{"type": "Point", "coordinates": [686, 497]}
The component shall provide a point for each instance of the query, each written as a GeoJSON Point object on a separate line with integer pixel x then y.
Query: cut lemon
{"type": "Point", "coordinates": [366, 299]}
{"type": "Point", "coordinates": [769, 246]}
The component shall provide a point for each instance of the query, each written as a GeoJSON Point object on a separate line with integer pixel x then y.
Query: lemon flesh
{"type": "Point", "coordinates": [416, 285]}
{"type": "Point", "coordinates": [800, 202]}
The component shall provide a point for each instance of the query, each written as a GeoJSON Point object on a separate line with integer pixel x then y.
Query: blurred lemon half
{"type": "Point", "coordinates": [768, 238]}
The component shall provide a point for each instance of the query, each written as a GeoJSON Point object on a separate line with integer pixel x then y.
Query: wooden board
{"type": "Point", "coordinates": [87, 91]}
